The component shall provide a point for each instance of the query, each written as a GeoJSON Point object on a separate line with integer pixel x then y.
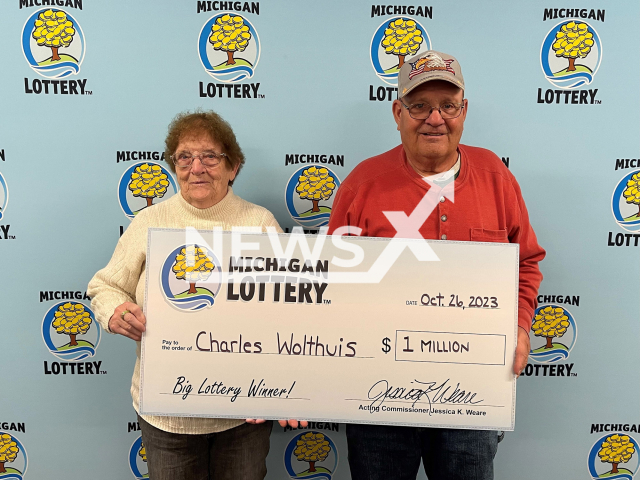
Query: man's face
{"type": "Point", "coordinates": [434, 140]}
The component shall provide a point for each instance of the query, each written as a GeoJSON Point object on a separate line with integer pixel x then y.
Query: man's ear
{"type": "Point", "coordinates": [396, 108]}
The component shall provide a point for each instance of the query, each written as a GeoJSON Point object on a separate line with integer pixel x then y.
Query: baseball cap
{"type": "Point", "coordinates": [427, 66]}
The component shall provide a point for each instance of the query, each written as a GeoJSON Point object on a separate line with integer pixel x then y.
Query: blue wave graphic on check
{"type": "Point", "coordinates": [196, 302]}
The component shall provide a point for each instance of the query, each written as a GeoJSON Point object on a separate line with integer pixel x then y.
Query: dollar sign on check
{"type": "Point", "coordinates": [386, 348]}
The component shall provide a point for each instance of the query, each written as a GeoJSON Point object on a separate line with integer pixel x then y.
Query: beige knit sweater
{"type": "Point", "coordinates": [123, 279]}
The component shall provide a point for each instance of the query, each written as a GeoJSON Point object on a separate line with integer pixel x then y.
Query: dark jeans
{"type": "Point", "coordinates": [237, 453]}
{"type": "Point", "coordinates": [381, 452]}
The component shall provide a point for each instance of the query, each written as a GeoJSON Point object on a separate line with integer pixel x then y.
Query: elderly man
{"type": "Point", "coordinates": [488, 207]}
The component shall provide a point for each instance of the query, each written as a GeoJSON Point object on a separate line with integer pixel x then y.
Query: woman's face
{"type": "Point", "coordinates": [203, 186]}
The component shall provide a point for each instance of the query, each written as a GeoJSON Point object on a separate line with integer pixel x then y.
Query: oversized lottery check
{"type": "Point", "coordinates": [347, 329]}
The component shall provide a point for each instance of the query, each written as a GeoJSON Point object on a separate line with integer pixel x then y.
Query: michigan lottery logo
{"type": "Point", "coordinates": [138, 459]}
{"type": "Point", "coordinates": [184, 275]}
{"type": "Point", "coordinates": [53, 43]}
{"type": "Point", "coordinates": [309, 195]}
{"type": "Point", "coordinates": [394, 40]}
{"type": "Point", "coordinates": [311, 455]}
{"type": "Point", "coordinates": [229, 47]}
{"type": "Point", "coordinates": [614, 456]}
{"type": "Point", "coordinates": [4, 196]}
{"type": "Point", "coordinates": [70, 331]}
{"type": "Point", "coordinates": [143, 184]}
{"type": "Point", "coordinates": [553, 334]}
{"type": "Point", "coordinates": [13, 458]}
{"type": "Point", "coordinates": [625, 203]}
{"type": "Point", "coordinates": [571, 54]}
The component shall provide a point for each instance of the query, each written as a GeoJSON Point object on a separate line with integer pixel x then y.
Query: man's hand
{"type": "Point", "coordinates": [128, 320]}
{"type": "Point", "coordinates": [522, 351]}
{"type": "Point", "coordinates": [283, 423]}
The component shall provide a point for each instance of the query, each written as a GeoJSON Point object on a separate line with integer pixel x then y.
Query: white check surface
{"type": "Point", "coordinates": [432, 344]}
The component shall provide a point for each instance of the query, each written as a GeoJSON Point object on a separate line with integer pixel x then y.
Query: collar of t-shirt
{"type": "Point", "coordinates": [445, 178]}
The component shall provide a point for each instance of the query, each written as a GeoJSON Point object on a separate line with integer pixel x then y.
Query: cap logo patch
{"type": "Point", "coordinates": [429, 62]}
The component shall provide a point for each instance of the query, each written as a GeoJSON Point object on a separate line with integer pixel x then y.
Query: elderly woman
{"type": "Point", "coordinates": [206, 159]}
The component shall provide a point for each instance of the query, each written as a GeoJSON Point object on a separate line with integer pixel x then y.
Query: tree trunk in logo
{"type": "Point", "coordinates": [73, 342]}
{"type": "Point", "coordinates": [549, 342]}
{"type": "Point", "coordinates": [149, 201]}
{"type": "Point", "coordinates": [615, 468]}
{"type": "Point", "coordinates": [401, 62]}
{"type": "Point", "coordinates": [55, 54]}
{"type": "Point", "coordinates": [230, 60]}
{"type": "Point", "coordinates": [312, 466]}
{"type": "Point", "coordinates": [2, 469]}
{"type": "Point", "coordinates": [192, 288]}
{"type": "Point", "coordinates": [572, 65]}
{"type": "Point", "coordinates": [315, 206]}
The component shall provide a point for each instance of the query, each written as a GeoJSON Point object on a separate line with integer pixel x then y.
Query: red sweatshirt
{"type": "Point", "coordinates": [487, 207]}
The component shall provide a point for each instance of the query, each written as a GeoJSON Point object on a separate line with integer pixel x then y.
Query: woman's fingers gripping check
{"type": "Point", "coordinates": [128, 320]}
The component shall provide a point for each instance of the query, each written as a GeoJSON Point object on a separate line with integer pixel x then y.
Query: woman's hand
{"type": "Point", "coordinates": [283, 423]}
{"type": "Point", "coordinates": [128, 320]}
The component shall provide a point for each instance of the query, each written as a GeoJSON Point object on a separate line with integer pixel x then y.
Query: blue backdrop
{"type": "Point", "coordinates": [311, 85]}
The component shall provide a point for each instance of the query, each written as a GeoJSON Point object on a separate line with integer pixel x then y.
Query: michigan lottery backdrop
{"type": "Point", "coordinates": [88, 88]}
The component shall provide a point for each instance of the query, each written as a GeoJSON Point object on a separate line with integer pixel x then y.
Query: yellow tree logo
{"type": "Point", "coordinates": [149, 182]}
{"type": "Point", "coordinates": [142, 452]}
{"type": "Point", "coordinates": [615, 450]}
{"type": "Point", "coordinates": [193, 265]}
{"type": "Point", "coordinates": [315, 184]}
{"type": "Point", "coordinates": [632, 192]}
{"type": "Point", "coordinates": [312, 447]}
{"type": "Point", "coordinates": [8, 451]}
{"type": "Point", "coordinates": [72, 319]}
{"type": "Point", "coordinates": [230, 34]}
{"type": "Point", "coordinates": [573, 40]}
{"type": "Point", "coordinates": [53, 29]}
{"type": "Point", "coordinates": [550, 322]}
{"type": "Point", "coordinates": [402, 37]}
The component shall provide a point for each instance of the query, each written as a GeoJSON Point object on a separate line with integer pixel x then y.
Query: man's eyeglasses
{"type": "Point", "coordinates": [422, 111]}
{"type": "Point", "coordinates": [208, 159]}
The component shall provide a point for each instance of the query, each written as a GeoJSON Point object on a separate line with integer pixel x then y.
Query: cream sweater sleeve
{"type": "Point", "coordinates": [116, 283]}
{"type": "Point", "coordinates": [270, 221]}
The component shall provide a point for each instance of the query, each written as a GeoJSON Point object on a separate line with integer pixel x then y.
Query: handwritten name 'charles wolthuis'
{"type": "Point", "coordinates": [307, 345]}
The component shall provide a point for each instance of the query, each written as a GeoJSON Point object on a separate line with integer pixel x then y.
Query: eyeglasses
{"type": "Point", "coordinates": [422, 111]}
{"type": "Point", "coordinates": [208, 159]}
